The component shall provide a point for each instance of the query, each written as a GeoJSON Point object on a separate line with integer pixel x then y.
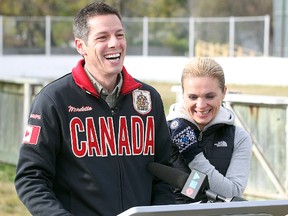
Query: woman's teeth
{"type": "Point", "coordinates": [203, 113]}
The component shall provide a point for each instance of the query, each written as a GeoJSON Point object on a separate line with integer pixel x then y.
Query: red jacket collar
{"type": "Point", "coordinates": [82, 80]}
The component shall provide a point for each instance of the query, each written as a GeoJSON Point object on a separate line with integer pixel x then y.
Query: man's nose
{"type": "Point", "coordinates": [113, 41]}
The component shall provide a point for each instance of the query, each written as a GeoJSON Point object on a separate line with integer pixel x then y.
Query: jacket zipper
{"type": "Point", "coordinates": [200, 137]}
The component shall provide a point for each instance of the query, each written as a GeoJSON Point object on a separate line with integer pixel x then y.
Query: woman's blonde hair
{"type": "Point", "coordinates": [204, 67]}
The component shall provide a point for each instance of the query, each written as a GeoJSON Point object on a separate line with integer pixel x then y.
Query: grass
{"type": "Point", "coordinates": [10, 205]}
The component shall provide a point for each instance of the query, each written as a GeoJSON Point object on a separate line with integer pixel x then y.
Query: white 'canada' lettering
{"type": "Point", "coordinates": [136, 139]}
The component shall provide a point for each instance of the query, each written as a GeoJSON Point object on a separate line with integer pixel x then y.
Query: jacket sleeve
{"type": "Point", "coordinates": [37, 160]}
{"type": "Point", "coordinates": [235, 181]}
{"type": "Point", "coordinates": [162, 193]}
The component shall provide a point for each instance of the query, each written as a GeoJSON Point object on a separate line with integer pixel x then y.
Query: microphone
{"type": "Point", "coordinates": [195, 185]}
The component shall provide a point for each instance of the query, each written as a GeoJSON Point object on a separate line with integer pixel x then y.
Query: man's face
{"type": "Point", "coordinates": [105, 49]}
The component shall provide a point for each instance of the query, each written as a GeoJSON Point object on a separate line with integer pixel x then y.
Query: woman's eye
{"type": "Point", "coordinates": [192, 97]}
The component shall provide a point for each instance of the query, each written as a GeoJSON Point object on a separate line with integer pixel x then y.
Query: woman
{"type": "Point", "coordinates": [204, 134]}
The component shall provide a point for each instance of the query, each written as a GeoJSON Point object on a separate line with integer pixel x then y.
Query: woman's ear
{"type": "Point", "coordinates": [224, 92]}
{"type": "Point", "coordinates": [80, 46]}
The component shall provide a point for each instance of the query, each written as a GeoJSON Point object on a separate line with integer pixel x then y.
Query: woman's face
{"type": "Point", "coordinates": [202, 98]}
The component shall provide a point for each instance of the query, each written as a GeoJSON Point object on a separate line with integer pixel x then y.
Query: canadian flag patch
{"type": "Point", "coordinates": [31, 134]}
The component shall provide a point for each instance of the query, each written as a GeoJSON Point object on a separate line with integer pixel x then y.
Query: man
{"type": "Point", "coordinates": [92, 132]}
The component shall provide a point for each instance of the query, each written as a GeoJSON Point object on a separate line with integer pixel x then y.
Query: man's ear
{"type": "Point", "coordinates": [80, 46]}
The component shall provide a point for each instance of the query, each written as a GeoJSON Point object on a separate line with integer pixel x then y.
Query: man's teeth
{"type": "Point", "coordinates": [113, 56]}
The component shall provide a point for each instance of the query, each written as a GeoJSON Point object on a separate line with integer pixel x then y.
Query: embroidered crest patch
{"type": "Point", "coordinates": [142, 101]}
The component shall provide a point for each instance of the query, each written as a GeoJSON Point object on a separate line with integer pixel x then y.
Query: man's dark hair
{"type": "Point", "coordinates": [80, 23]}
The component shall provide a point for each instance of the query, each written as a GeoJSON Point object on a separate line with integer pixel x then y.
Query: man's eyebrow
{"type": "Point", "coordinates": [105, 32]}
{"type": "Point", "coordinates": [120, 30]}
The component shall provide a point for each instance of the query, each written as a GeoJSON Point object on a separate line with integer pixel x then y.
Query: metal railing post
{"type": "Point", "coordinates": [48, 35]}
{"type": "Point", "coordinates": [1, 35]}
{"type": "Point", "coordinates": [231, 36]}
{"type": "Point", "coordinates": [266, 35]}
{"type": "Point", "coordinates": [145, 36]}
{"type": "Point", "coordinates": [191, 36]}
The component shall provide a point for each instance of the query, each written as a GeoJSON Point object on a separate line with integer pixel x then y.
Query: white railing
{"type": "Point", "coordinates": [145, 36]}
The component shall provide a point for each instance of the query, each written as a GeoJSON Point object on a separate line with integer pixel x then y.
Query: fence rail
{"type": "Point", "coordinates": [145, 36]}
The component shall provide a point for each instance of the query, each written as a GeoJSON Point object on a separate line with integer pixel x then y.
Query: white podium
{"type": "Point", "coordinates": [246, 208]}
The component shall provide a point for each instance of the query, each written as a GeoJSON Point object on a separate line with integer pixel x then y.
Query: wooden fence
{"type": "Point", "coordinates": [15, 98]}
{"type": "Point", "coordinates": [208, 49]}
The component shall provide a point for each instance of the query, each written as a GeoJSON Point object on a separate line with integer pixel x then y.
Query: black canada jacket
{"type": "Point", "coordinates": [79, 157]}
